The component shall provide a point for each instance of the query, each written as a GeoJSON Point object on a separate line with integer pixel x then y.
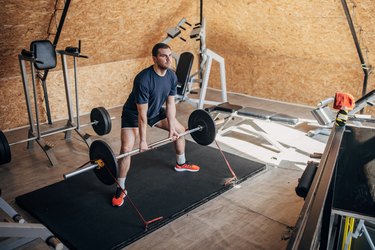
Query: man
{"type": "Point", "coordinates": [152, 87]}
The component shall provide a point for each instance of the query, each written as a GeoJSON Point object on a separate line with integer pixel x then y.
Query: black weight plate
{"type": "Point", "coordinates": [202, 118]}
{"type": "Point", "coordinates": [101, 150]}
{"type": "Point", "coordinates": [108, 119]}
{"type": "Point", "coordinates": [104, 124]}
{"type": "Point", "coordinates": [5, 154]}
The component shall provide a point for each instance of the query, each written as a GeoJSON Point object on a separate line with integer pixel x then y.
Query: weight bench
{"type": "Point", "coordinates": [248, 125]}
{"type": "Point", "coordinates": [268, 136]}
{"type": "Point", "coordinates": [268, 115]}
{"type": "Point", "coordinates": [252, 113]}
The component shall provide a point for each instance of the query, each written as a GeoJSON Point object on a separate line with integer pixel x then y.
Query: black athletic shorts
{"type": "Point", "coordinates": [130, 121]}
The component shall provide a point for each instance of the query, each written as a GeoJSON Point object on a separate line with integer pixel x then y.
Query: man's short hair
{"type": "Point", "coordinates": [155, 49]}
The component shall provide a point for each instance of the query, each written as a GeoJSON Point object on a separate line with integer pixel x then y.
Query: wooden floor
{"type": "Point", "coordinates": [257, 214]}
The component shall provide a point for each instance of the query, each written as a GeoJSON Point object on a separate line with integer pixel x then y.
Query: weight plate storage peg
{"type": "Point", "coordinates": [5, 153]}
{"type": "Point", "coordinates": [102, 121]}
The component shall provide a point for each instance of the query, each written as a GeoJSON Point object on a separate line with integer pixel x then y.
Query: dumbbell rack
{"type": "Point", "coordinates": [34, 125]}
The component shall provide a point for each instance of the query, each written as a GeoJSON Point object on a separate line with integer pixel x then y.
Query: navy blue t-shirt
{"type": "Point", "coordinates": [153, 89]}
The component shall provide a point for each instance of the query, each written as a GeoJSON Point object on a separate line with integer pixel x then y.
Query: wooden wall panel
{"type": "Point", "coordinates": [299, 51]}
{"type": "Point", "coordinates": [116, 35]}
{"type": "Point", "coordinates": [13, 110]}
{"type": "Point", "coordinates": [296, 51]}
{"type": "Point", "coordinates": [22, 21]}
{"type": "Point", "coordinates": [123, 30]}
{"type": "Point", "coordinates": [281, 78]}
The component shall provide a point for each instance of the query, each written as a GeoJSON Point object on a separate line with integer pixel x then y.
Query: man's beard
{"type": "Point", "coordinates": [163, 66]}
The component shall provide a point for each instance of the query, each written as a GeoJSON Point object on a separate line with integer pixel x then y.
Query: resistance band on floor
{"type": "Point", "coordinates": [234, 176]}
{"type": "Point", "coordinates": [146, 223]}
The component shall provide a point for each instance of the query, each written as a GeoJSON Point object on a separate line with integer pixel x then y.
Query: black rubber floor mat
{"type": "Point", "coordinates": [79, 211]}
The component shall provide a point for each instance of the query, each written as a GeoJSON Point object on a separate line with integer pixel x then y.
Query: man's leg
{"type": "Point", "coordinates": [179, 145]}
{"type": "Point", "coordinates": [128, 137]}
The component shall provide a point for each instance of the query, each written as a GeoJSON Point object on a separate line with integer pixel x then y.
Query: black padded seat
{"type": "Point", "coordinates": [268, 115]}
{"type": "Point", "coordinates": [255, 112]}
{"type": "Point", "coordinates": [227, 107]}
{"type": "Point", "coordinates": [183, 71]}
{"type": "Point", "coordinates": [224, 107]}
{"type": "Point", "coordinates": [44, 51]}
{"type": "Point", "coordinates": [284, 119]}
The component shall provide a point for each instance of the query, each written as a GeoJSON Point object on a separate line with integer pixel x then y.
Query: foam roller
{"type": "Point", "coordinates": [306, 179]}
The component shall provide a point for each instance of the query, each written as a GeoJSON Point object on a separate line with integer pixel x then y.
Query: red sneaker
{"type": "Point", "coordinates": [186, 167]}
{"type": "Point", "coordinates": [118, 198]}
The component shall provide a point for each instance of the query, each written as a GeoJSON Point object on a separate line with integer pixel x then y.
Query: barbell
{"type": "Point", "coordinates": [100, 121]}
{"type": "Point", "coordinates": [103, 161]}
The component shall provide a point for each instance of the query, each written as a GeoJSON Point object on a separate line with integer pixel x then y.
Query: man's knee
{"type": "Point", "coordinates": [125, 148]}
{"type": "Point", "coordinates": [180, 129]}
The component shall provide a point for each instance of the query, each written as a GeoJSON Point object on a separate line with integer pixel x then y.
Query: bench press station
{"type": "Point", "coordinates": [198, 33]}
{"type": "Point", "coordinates": [254, 122]}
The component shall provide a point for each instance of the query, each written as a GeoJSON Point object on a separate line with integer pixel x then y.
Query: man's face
{"type": "Point", "coordinates": [164, 58]}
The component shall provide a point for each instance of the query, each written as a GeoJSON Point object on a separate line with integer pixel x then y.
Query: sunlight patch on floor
{"type": "Point", "coordinates": [272, 143]}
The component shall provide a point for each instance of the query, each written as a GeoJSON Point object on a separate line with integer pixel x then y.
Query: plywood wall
{"type": "Point", "coordinates": [294, 51]}
{"type": "Point", "coordinates": [117, 36]}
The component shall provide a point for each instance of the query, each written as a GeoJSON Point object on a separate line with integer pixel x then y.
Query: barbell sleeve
{"type": "Point", "coordinates": [94, 122]}
{"type": "Point", "coordinates": [81, 170]}
{"type": "Point", "coordinates": [60, 130]}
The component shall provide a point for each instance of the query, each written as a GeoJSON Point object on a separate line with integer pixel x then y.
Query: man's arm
{"type": "Point", "coordinates": [142, 125]}
{"type": "Point", "coordinates": [171, 115]}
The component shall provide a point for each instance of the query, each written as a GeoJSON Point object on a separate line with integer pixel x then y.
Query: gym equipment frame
{"type": "Point", "coordinates": [332, 197]}
{"type": "Point", "coordinates": [199, 34]}
{"type": "Point", "coordinates": [44, 50]}
{"type": "Point", "coordinates": [326, 117]}
{"type": "Point", "coordinates": [19, 232]}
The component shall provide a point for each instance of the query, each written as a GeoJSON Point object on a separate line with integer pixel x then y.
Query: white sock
{"type": "Point", "coordinates": [180, 159]}
{"type": "Point", "coordinates": [121, 181]}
